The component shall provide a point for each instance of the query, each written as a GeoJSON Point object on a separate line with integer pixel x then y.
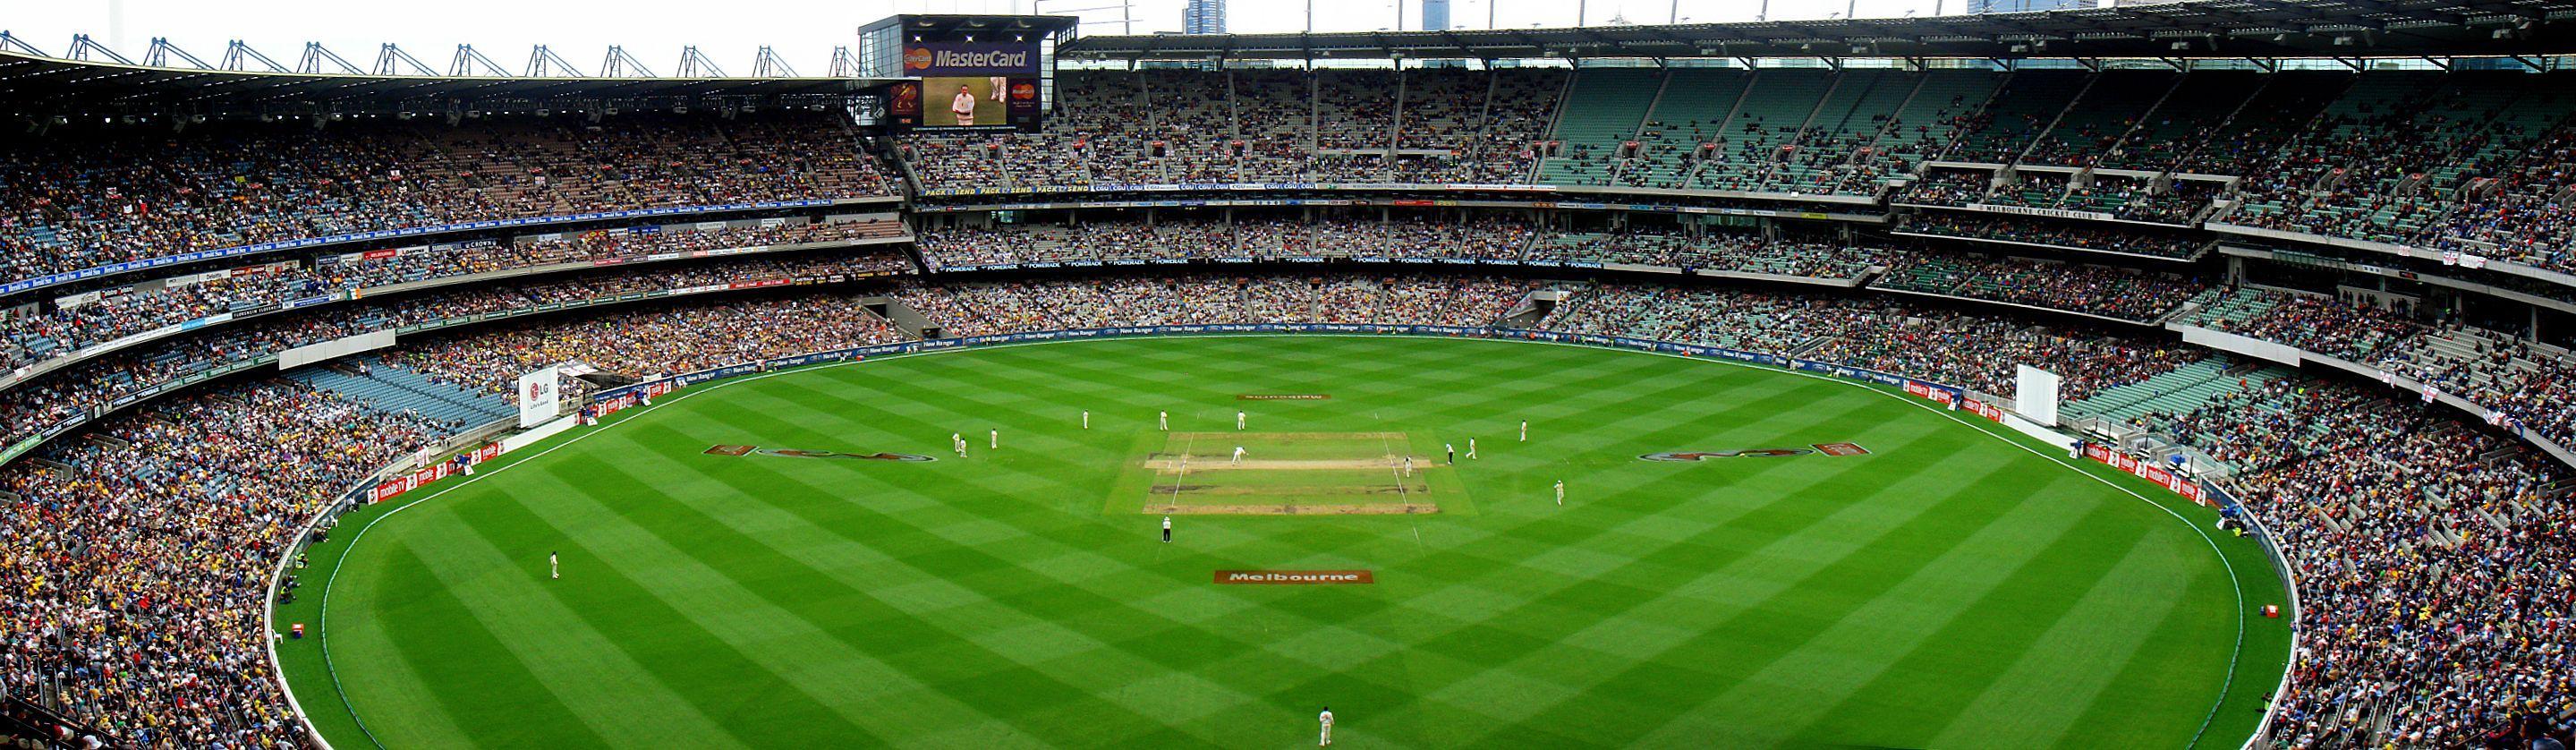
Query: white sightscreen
{"type": "Point", "coordinates": [2035, 395]}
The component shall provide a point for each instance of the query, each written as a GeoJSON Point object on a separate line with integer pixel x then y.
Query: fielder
{"type": "Point", "coordinates": [1238, 420]}
{"type": "Point", "coordinates": [1327, 719]}
{"type": "Point", "coordinates": [1524, 430]}
{"type": "Point", "coordinates": [1471, 449]}
{"type": "Point", "coordinates": [1238, 455]}
{"type": "Point", "coordinates": [1560, 492]}
{"type": "Point", "coordinates": [554, 566]}
{"type": "Point", "coordinates": [1163, 419]}
{"type": "Point", "coordinates": [997, 440]}
{"type": "Point", "coordinates": [1086, 419]}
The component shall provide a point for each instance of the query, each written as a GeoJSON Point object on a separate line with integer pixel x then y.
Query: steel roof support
{"type": "Point", "coordinates": [844, 64]}
{"type": "Point", "coordinates": [466, 58]}
{"type": "Point", "coordinates": [544, 63]}
{"type": "Point", "coordinates": [390, 61]}
{"type": "Point", "coordinates": [163, 51]}
{"type": "Point", "coordinates": [694, 64]}
{"type": "Point", "coordinates": [767, 64]}
{"type": "Point", "coordinates": [315, 55]}
{"type": "Point", "coordinates": [619, 64]}
{"type": "Point", "coordinates": [82, 49]}
{"type": "Point", "coordinates": [9, 42]}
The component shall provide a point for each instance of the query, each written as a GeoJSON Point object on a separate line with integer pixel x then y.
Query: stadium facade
{"type": "Point", "coordinates": [2306, 261]}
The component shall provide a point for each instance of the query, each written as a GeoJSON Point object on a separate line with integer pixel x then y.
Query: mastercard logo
{"type": "Point", "coordinates": [916, 59]}
{"type": "Point", "coordinates": [1024, 91]}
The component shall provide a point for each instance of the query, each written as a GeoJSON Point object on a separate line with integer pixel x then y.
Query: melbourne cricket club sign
{"type": "Point", "coordinates": [1828, 449]}
{"type": "Point", "coordinates": [745, 450]}
{"type": "Point", "coordinates": [1295, 577]}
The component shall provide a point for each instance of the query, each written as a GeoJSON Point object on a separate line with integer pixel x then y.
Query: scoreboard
{"type": "Point", "coordinates": [962, 73]}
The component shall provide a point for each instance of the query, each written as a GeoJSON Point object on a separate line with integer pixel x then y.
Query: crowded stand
{"type": "Point", "coordinates": [2432, 562]}
{"type": "Point", "coordinates": [82, 320]}
{"type": "Point", "coordinates": [77, 199]}
{"type": "Point", "coordinates": [2097, 290]}
{"type": "Point", "coordinates": [2130, 198]}
{"type": "Point", "coordinates": [2525, 214]}
{"type": "Point", "coordinates": [2431, 552]}
{"type": "Point", "coordinates": [2386, 159]}
{"type": "Point", "coordinates": [1735, 320]}
{"type": "Point", "coordinates": [2181, 201]}
{"type": "Point", "coordinates": [651, 342]}
{"type": "Point", "coordinates": [1400, 236]}
{"type": "Point", "coordinates": [32, 408]}
{"type": "Point", "coordinates": [2389, 156]}
{"type": "Point", "coordinates": [986, 309]}
{"type": "Point", "coordinates": [136, 562]}
{"type": "Point", "coordinates": [2067, 234]}
{"type": "Point", "coordinates": [2350, 330]}
{"type": "Point", "coordinates": [1109, 128]}
{"type": "Point", "coordinates": [2335, 426]}
{"type": "Point", "coordinates": [1980, 353]}
{"type": "Point", "coordinates": [1948, 187]}
{"type": "Point", "coordinates": [1713, 250]}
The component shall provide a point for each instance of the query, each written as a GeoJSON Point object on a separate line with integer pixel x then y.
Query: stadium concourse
{"type": "Point", "coordinates": [1945, 224]}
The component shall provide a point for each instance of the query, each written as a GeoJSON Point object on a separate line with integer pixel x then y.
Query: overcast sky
{"type": "Point", "coordinates": [730, 31]}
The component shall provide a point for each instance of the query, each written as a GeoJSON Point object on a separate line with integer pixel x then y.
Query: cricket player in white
{"type": "Point", "coordinates": [554, 566]}
{"type": "Point", "coordinates": [1167, 529]}
{"type": "Point", "coordinates": [1327, 720]}
{"type": "Point", "coordinates": [1238, 455]}
{"type": "Point", "coordinates": [1524, 430]}
{"type": "Point", "coordinates": [1452, 448]}
{"type": "Point", "coordinates": [1408, 465]}
{"type": "Point", "coordinates": [963, 106]}
{"type": "Point", "coordinates": [1164, 420]}
{"type": "Point", "coordinates": [1086, 419]}
{"type": "Point", "coordinates": [997, 439]}
{"type": "Point", "coordinates": [1560, 492]}
{"type": "Point", "coordinates": [1000, 85]}
{"type": "Point", "coordinates": [1471, 449]}
{"type": "Point", "coordinates": [1238, 420]}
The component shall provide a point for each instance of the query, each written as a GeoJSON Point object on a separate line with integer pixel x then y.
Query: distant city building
{"type": "Point", "coordinates": [2025, 6]}
{"type": "Point", "coordinates": [1435, 15]}
{"type": "Point", "coordinates": [1203, 17]}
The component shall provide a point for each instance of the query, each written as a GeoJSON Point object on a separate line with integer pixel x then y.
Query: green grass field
{"type": "Point", "coordinates": [1952, 588]}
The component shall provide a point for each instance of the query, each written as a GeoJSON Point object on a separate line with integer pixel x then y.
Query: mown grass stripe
{"type": "Point", "coordinates": [591, 673]}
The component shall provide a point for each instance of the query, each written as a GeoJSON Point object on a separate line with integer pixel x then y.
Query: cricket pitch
{"type": "Point", "coordinates": [1293, 473]}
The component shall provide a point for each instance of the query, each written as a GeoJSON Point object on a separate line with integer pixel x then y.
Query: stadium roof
{"type": "Point", "coordinates": [945, 25]}
{"type": "Point", "coordinates": [2201, 28]}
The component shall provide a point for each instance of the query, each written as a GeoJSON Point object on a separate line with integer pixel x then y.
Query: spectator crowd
{"type": "Point", "coordinates": [2377, 502]}
{"type": "Point", "coordinates": [78, 199]}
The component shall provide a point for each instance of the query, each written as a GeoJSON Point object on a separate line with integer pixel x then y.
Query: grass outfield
{"type": "Point", "coordinates": [1951, 588]}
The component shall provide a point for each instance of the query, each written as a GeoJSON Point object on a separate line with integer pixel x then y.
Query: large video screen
{"type": "Point", "coordinates": [968, 86]}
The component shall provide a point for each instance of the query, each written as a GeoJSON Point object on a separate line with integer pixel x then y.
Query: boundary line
{"type": "Point", "coordinates": [322, 619]}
